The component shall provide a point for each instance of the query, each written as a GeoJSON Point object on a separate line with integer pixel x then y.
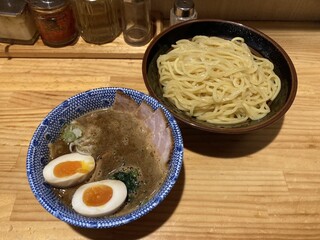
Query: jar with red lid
{"type": "Point", "coordinates": [55, 21]}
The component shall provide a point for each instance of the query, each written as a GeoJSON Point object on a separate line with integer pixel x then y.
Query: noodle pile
{"type": "Point", "coordinates": [217, 80]}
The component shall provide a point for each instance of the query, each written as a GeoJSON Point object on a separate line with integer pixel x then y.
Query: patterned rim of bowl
{"type": "Point", "coordinates": [48, 130]}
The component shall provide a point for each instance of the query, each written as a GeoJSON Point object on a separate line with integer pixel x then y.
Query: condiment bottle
{"type": "Point", "coordinates": [182, 10]}
{"type": "Point", "coordinates": [98, 21]}
{"type": "Point", "coordinates": [55, 21]}
{"type": "Point", "coordinates": [138, 25]}
{"type": "Point", "coordinates": [16, 23]}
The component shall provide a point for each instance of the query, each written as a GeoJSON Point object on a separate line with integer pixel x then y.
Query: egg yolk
{"type": "Point", "coordinates": [69, 168]}
{"type": "Point", "coordinates": [97, 195]}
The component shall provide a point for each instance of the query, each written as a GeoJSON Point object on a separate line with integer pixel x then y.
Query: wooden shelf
{"type": "Point", "coordinates": [81, 49]}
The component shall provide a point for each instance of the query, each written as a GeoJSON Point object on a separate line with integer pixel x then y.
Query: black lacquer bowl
{"type": "Point", "coordinates": [259, 43]}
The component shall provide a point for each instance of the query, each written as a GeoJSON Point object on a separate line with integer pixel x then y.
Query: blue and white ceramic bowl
{"type": "Point", "coordinates": [48, 131]}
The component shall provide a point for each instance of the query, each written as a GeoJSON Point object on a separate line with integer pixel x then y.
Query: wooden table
{"type": "Point", "coordinates": [264, 185]}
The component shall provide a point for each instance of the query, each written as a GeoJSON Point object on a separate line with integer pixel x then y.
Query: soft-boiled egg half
{"type": "Point", "coordinates": [68, 170]}
{"type": "Point", "coordinates": [99, 198]}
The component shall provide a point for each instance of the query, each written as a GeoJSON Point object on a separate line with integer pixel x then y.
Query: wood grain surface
{"type": "Point", "coordinates": [254, 10]}
{"type": "Point", "coordinates": [264, 185]}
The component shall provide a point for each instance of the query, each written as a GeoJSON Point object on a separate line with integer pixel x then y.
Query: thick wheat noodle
{"type": "Point", "coordinates": [218, 80]}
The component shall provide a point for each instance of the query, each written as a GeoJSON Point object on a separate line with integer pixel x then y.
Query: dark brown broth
{"type": "Point", "coordinates": [120, 141]}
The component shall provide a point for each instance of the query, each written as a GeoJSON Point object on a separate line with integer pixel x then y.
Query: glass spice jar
{"type": "Point", "coordinates": [55, 21]}
{"type": "Point", "coordinates": [182, 10]}
{"type": "Point", "coordinates": [138, 29]}
{"type": "Point", "coordinates": [16, 23]}
{"type": "Point", "coordinates": [98, 21]}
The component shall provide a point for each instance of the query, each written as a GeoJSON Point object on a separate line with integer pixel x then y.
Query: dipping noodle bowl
{"type": "Point", "coordinates": [104, 158]}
